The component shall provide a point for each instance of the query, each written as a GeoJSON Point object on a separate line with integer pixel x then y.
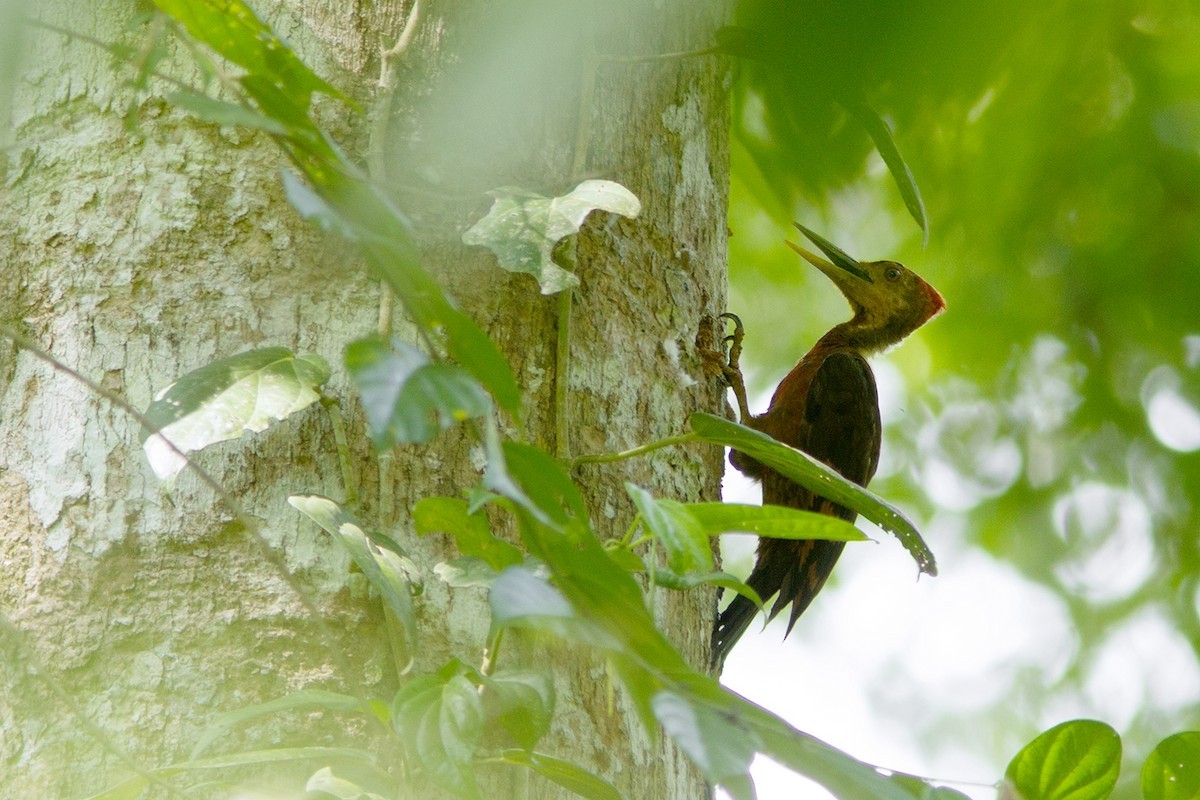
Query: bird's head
{"type": "Point", "coordinates": [889, 300]}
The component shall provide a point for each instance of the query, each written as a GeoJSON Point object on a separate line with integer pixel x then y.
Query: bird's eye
{"type": "Point", "coordinates": [892, 273]}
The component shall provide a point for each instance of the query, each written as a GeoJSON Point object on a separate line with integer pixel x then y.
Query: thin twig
{"type": "Point", "coordinates": [613, 59]}
{"type": "Point", "coordinates": [608, 458]}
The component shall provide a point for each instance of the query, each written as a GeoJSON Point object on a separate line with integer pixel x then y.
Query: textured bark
{"type": "Point", "coordinates": [136, 254]}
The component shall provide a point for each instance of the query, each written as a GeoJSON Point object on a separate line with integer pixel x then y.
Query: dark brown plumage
{"type": "Point", "coordinates": [828, 407]}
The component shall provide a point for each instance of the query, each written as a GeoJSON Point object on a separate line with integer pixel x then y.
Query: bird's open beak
{"type": "Point", "coordinates": [839, 258]}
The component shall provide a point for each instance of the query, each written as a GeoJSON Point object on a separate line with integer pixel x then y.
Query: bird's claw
{"type": "Point", "coordinates": [731, 369]}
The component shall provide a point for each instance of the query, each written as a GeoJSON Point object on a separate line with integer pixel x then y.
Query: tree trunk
{"type": "Point", "coordinates": [138, 244]}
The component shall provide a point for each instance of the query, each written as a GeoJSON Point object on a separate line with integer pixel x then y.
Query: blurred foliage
{"type": "Point", "coordinates": [1052, 413]}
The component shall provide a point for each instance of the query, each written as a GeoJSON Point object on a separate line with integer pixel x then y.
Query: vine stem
{"type": "Point", "coordinates": [615, 59]}
{"type": "Point", "coordinates": [333, 407]}
{"type": "Point", "coordinates": [562, 367]}
{"type": "Point", "coordinates": [491, 652]}
{"type": "Point", "coordinates": [377, 168]}
{"type": "Point", "coordinates": [641, 450]}
{"type": "Point", "coordinates": [562, 352]}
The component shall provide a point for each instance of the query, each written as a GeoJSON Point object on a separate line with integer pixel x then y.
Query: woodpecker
{"type": "Point", "coordinates": [828, 407]}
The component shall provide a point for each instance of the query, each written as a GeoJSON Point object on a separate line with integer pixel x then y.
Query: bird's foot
{"type": "Point", "coordinates": [731, 369]}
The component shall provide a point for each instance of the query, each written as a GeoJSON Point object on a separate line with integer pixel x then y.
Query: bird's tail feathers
{"type": "Point", "coordinates": [795, 576]}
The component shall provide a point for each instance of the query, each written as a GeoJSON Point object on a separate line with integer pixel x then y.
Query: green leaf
{"type": "Point", "coordinates": [132, 788]}
{"type": "Point", "coordinates": [921, 789]}
{"type": "Point", "coordinates": [440, 721]}
{"type": "Point", "coordinates": [567, 775]}
{"type": "Point", "coordinates": [521, 599]}
{"type": "Point", "coordinates": [844, 776]}
{"type": "Point", "coordinates": [479, 355]}
{"type": "Point", "coordinates": [816, 477]}
{"type": "Point", "coordinates": [379, 561]}
{"type": "Point", "coordinates": [466, 572]}
{"type": "Point", "coordinates": [406, 398]}
{"type": "Point", "coordinates": [877, 128]}
{"type": "Point", "coordinates": [626, 558]}
{"type": "Point", "coordinates": [220, 727]}
{"type": "Point", "coordinates": [715, 742]}
{"type": "Point", "coordinates": [1172, 771]}
{"type": "Point", "coordinates": [691, 580]}
{"type": "Point", "coordinates": [221, 400]}
{"type": "Point", "coordinates": [522, 228]}
{"type": "Point", "coordinates": [680, 534]}
{"type": "Point", "coordinates": [323, 780]}
{"type": "Point", "coordinates": [219, 112]}
{"type": "Point", "coordinates": [357, 212]}
{"type": "Point", "coordinates": [522, 700]}
{"type": "Point", "coordinates": [230, 28]}
{"type": "Point", "coordinates": [273, 755]}
{"type": "Point", "coordinates": [125, 790]}
{"type": "Point", "coordinates": [1077, 760]}
{"type": "Point", "coordinates": [472, 534]}
{"type": "Point", "coordinates": [775, 522]}
{"type": "Point", "coordinates": [544, 482]}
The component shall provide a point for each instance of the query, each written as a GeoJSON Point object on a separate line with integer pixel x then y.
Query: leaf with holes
{"type": "Point", "coordinates": [522, 228]}
{"type": "Point", "coordinates": [220, 401]}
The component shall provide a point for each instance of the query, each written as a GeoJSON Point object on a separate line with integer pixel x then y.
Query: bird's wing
{"type": "Point", "coordinates": [841, 417]}
{"type": "Point", "coordinates": [840, 427]}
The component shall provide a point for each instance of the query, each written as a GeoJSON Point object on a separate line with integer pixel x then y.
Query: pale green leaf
{"type": "Point", "coordinates": [222, 400]}
{"type": "Point", "coordinates": [220, 727]}
{"type": "Point", "coordinates": [522, 228]}
{"type": "Point", "coordinates": [715, 742]}
{"type": "Point", "coordinates": [776, 522]}
{"type": "Point", "coordinates": [323, 780]}
{"type": "Point", "coordinates": [380, 563]}
{"type": "Point", "coordinates": [567, 775]}
{"type": "Point", "coordinates": [465, 572]}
